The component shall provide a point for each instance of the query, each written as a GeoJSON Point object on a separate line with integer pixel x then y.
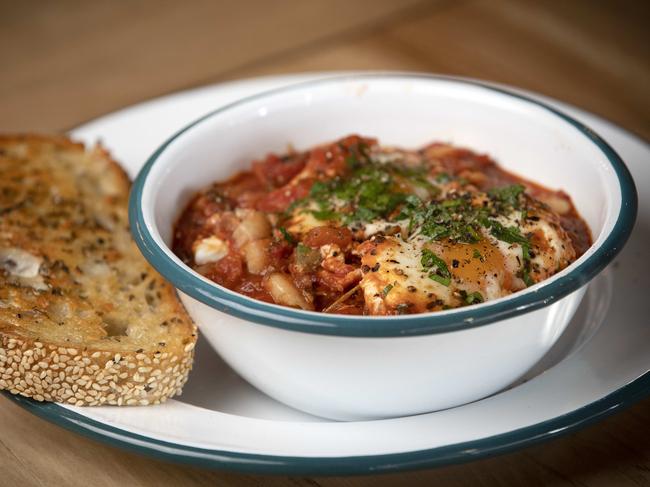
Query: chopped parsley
{"type": "Point", "coordinates": [513, 235]}
{"type": "Point", "coordinates": [454, 218]}
{"type": "Point", "coordinates": [443, 177]}
{"type": "Point", "coordinates": [437, 268]}
{"type": "Point", "coordinates": [524, 275]}
{"type": "Point", "coordinates": [387, 290]}
{"type": "Point", "coordinates": [369, 192]}
{"type": "Point", "coordinates": [510, 235]}
{"type": "Point", "coordinates": [471, 298]}
{"type": "Point", "coordinates": [508, 197]}
{"type": "Point", "coordinates": [324, 214]}
{"type": "Point", "coordinates": [287, 236]}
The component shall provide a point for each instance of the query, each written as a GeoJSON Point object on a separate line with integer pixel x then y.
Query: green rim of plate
{"type": "Point", "coordinates": [421, 324]}
{"type": "Point", "coordinates": [349, 465]}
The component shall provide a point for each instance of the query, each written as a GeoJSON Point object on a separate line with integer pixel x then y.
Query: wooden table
{"type": "Point", "coordinates": [67, 62]}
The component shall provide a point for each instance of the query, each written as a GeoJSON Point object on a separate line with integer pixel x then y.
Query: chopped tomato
{"type": "Point", "coordinates": [227, 271]}
{"type": "Point", "coordinates": [274, 171]}
{"type": "Point", "coordinates": [279, 252]}
{"type": "Point", "coordinates": [319, 236]}
{"type": "Point", "coordinates": [338, 282]}
{"type": "Point", "coordinates": [332, 160]}
{"type": "Point", "coordinates": [242, 183]}
{"type": "Point", "coordinates": [280, 199]}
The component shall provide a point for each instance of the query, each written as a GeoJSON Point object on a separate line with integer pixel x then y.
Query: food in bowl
{"type": "Point", "coordinates": [352, 227]}
{"type": "Point", "coordinates": [353, 367]}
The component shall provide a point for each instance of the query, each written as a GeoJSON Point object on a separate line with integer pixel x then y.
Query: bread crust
{"type": "Point", "coordinates": [98, 362]}
{"type": "Point", "coordinates": [86, 377]}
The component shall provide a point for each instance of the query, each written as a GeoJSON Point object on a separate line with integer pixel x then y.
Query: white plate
{"type": "Point", "coordinates": [599, 365]}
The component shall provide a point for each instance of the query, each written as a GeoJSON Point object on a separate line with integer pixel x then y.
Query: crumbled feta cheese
{"type": "Point", "coordinates": [211, 249]}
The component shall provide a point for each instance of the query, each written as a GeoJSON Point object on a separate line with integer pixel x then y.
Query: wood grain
{"type": "Point", "coordinates": [580, 53]}
{"type": "Point", "coordinates": [65, 62]}
{"type": "Point", "coordinates": [70, 61]}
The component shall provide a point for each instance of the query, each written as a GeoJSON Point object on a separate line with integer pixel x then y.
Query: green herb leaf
{"type": "Point", "coordinates": [507, 234]}
{"type": "Point", "coordinates": [324, 214]}
{"type": "Point", "coordinates": [287, 236]}
{"type": "Point", "coordinates": [452, 203]}
{"type": "Point", "coordinates": [475, 297]}
{"type": "Point", "coordinates": [387, 290]}
{"type": "Point", "coordinates": [524, 274]}
{"type": "Point", "coordinates": [352, 161]}
{"type": "Point", "coordinates": [318, 189]}
{"type": "Point", "coordinates": [438, 270]}
{"type": "Point", "coordinates": [513, 235]}
{"type": "Point", "coordinates": [445, 281]}
{"type": "Point", "coordinates": [507, 197]}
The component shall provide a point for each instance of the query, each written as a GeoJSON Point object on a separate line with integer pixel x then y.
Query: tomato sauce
{"type": "Point", "coordinates": [290, 228]}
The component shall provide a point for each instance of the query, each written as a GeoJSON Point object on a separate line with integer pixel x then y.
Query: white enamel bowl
{"type": "Point", "coordinates": [354, 368]}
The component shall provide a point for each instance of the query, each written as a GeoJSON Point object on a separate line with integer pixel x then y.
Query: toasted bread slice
{"type": "Point", "coordinates": [84, 319]}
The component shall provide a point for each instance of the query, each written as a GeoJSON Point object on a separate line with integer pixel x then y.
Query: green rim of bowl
{"type": "Point", "coordinates": [348, 465]}
{"type": "Point", "coordinates": [409, 325]}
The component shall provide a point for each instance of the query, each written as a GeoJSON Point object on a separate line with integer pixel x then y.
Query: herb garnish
{"type": "Point", "coordinates": [369, 192]}
{"type": "Point", "coordinates": [455, 219]}
{"type": "Point", "coordinates": [507, 198]}
{"type": "Point", "coordinates": [510, 235]}
{"type": "Point", "coordinates": [287, 236]}
{"type": "Point", "coordinates": [513, 235]}
{"type": "Point", "coordinates": [459, 219]}
{"type": "Point", "coordinates": [443, 177]}
{"type": "Point", "coordinates": [471, 298]}
{"type": "Point", "coordinates": [524, 274]}
{"type": "Point", "coordinates": [376, 191]}
{"type": "Point", "coordinates": [438, 270]}
{"type": "Point", "coordinates": [387, 290]}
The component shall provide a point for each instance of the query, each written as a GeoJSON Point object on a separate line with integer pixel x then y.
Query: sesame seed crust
{"type": "Point", "coordinates": [48, 372]}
